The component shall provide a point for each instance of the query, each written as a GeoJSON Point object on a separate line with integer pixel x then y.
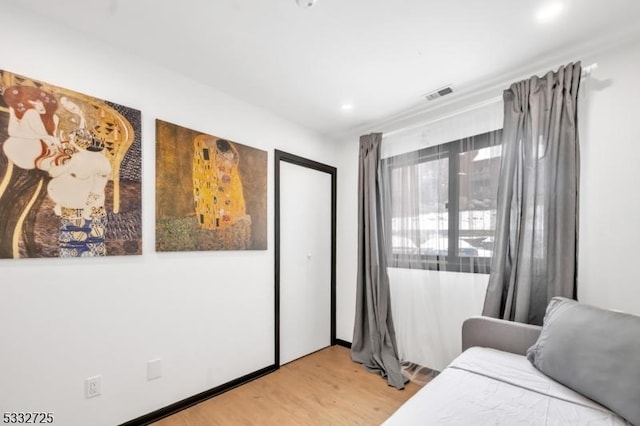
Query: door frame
{"type": "Point", "coordinates": [332, 171]}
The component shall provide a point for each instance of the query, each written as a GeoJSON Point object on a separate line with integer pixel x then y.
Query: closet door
{"type": "Point", "coordinates": [305, 260]}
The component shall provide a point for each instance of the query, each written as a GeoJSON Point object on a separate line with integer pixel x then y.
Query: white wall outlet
{"type": "Point", "coordinates": [93, 386]}
{"type": "Point", "coordinates": [154, 369]}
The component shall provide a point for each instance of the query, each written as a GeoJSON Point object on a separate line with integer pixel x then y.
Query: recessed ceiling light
{"type": "Point", "coordinates": [346, 107]}
{"type": "Point", "coordinates": [549, 12]}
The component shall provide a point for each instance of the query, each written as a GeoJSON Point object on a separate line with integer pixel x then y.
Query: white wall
{"type": "Point", "coordinates": [208, 315]}
{"type": "Point", "coordinates": [347, 236]}
{"type": "Point", "coordinates": [609, 196]}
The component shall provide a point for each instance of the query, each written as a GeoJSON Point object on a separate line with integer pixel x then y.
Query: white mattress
{"type": "Point", "coordinates": [489, 387]}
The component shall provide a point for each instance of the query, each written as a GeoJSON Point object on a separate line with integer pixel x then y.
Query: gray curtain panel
{"type": "Point", "coordinates": [535, 252]}
{"type": "Point", "coordinates": [374, 340]}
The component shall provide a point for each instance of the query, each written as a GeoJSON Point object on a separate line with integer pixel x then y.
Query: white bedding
{"type": "Point", "coordinates": [489, 387]}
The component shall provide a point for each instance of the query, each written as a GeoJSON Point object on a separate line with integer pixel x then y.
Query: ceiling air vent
{"type": "Point", "coordinates": [438, 93]}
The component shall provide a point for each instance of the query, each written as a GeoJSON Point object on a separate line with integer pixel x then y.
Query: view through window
{"type": "Point", "coordinates": [440, 204]}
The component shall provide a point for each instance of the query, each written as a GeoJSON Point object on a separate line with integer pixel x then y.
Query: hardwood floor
{"type": "Point", "coordinates": [324, 388]}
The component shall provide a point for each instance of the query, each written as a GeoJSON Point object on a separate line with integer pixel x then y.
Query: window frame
{"type": "Point", "coordinates": [452, 262]}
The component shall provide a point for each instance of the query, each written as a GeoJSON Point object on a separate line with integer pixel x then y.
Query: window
{"type": "Point", "coordinates": [440, 204]}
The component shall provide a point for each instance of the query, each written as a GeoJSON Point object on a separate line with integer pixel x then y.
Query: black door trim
{"type": "Point", "coordinates": [303, 162]}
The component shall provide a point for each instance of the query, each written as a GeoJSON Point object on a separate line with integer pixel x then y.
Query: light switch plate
{"type": "Point", "coordinates": [154, 369]}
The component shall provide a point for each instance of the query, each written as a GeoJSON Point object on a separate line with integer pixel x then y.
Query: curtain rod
{"type": "Point", "coordinates": [586, 72]}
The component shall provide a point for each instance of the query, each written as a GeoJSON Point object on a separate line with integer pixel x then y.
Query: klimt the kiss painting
{"type": "Point", "coordinates": [211, 192]}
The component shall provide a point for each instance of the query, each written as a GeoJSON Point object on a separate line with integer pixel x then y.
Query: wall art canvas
{"type": "Point", "coordinates": [211, 193]}
{"type": "Point", "coordinates": [70, 170]}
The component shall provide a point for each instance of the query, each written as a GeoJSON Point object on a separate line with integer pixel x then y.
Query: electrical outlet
{"type": "Point", "coordinates": [93, 386]}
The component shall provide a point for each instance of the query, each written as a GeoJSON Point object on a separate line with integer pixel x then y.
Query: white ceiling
{"type": "Point", "coordinates": [379, 55]}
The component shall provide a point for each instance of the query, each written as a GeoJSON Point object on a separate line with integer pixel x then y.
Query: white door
{"type": "Point", "coordinates": [305, 261]}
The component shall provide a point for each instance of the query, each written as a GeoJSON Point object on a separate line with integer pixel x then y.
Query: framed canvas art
{"type": "Point", "coordinates": [211, 193]}
{"type": "Point", "coordinates": [70, 170]}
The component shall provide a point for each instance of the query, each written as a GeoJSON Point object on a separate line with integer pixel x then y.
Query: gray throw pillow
{"type": "Point", "coordinates": [593, 351]}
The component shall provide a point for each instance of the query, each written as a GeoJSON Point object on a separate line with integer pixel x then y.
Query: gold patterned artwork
{"type": "Point", "coordinates": [70, 166]}
{"type": "Point", "coordinates": [217, 188]}
{"type": "Point", "coordinates": [210, 192]}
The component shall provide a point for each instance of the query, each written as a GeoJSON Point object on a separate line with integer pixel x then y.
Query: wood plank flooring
{"type": "Point", "coordinates": [324, 388]}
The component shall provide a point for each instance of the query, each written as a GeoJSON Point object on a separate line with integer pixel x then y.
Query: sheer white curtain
{"type": "Point", "coordinates": [429, 247]}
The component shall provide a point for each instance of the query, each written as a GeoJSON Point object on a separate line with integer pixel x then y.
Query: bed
{"type": "Point", "coordinates": [506, 374]}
